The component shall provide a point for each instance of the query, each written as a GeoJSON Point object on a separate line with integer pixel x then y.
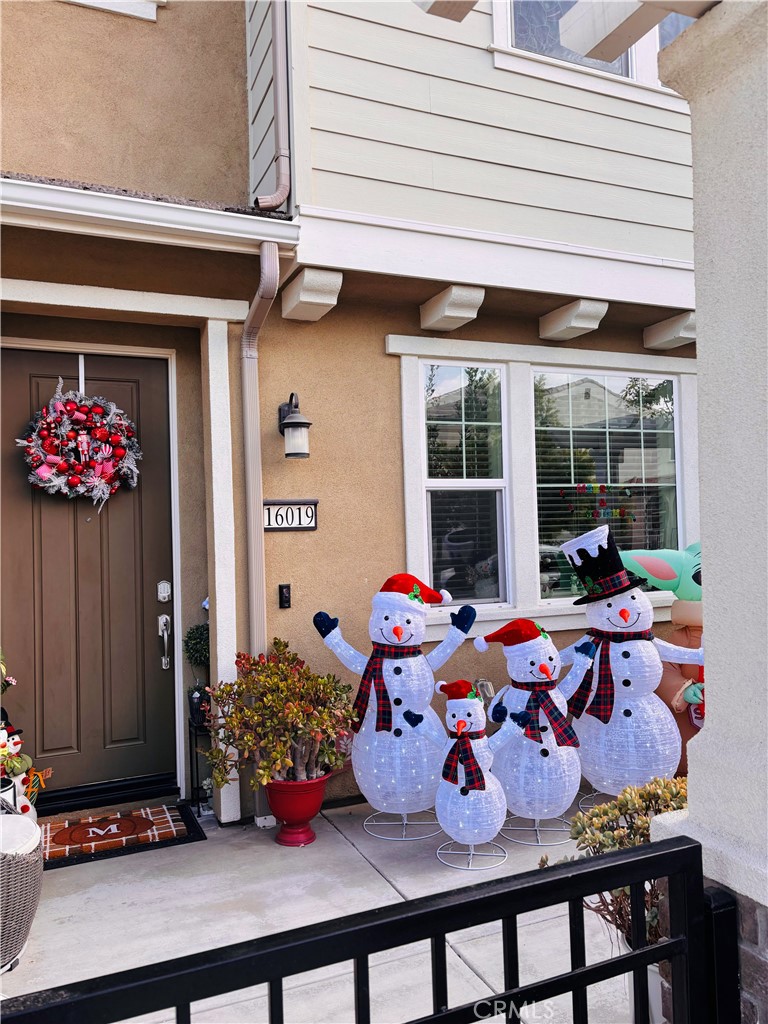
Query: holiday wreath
{"type": "Point", "coordinates": [81, 446]}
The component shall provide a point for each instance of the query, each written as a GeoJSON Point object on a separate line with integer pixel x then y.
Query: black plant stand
{"type": "Point", "coordinates": [195, 732]}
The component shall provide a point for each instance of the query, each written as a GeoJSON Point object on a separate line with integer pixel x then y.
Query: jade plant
{"type": "Point", "coordinates": [280, 717]}
{"type": "Point", "coordinates": [619, 825]}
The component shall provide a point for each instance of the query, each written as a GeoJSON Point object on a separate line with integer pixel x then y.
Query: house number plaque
{"type": "Point", "coordinates": [291, 515]}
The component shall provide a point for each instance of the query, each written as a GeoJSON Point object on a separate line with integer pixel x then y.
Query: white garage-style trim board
{"type": "Point", "coordinates": [345, 240]}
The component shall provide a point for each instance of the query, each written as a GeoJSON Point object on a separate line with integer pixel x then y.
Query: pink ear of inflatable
{"type": "Point", "coordinates": [655, 566]}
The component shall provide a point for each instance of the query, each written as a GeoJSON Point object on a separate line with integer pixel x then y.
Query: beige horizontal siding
{"type": "Point", "coordinates": [410, 106]}
{"type": "Point", "coordinates": [261, 104]}
{"type": "Point", "coordinates": [407, 202]}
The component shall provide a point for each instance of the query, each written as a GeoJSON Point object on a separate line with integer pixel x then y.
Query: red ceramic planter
{"type": "Point", "coordinates": [294, 804]}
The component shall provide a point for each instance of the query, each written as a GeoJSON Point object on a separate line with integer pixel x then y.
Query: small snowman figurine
{"type": "Point", "coordinates": [538, 765]}
{"type": "Point", "coordinates": [470, 804]}
{"type": "Point", "coordinates": [398, 737]}
{"type": "Point", "coordinates": [14, 770]}
{"type": "Point", "coordinates": [628, 736]}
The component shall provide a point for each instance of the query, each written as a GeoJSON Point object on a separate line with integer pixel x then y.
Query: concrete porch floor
{"type": "Point", "coordinates": [110, 915]}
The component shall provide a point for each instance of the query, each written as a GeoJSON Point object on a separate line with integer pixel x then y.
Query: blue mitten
{"type": "Point", "coordinates": [521, 718]}
{"type": "Point", "coordinates": [499, 714]}
{"type": "Point", "coordinates": [464, 618]}
{"type": "Point", "coordinates": [587, 649]}
{"type": "Point", "coordinates": [412, 718]}
{"type": "Point", "coordinates": [324, 624]}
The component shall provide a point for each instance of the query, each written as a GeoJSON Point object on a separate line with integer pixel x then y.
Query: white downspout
{"type": "Point", "coordinates": [282, 132]}
{"type": "Point", "coordinates": [254, 496]}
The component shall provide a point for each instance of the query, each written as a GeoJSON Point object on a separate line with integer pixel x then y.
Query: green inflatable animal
{"type": "Point", "coordinates": [678, 571]}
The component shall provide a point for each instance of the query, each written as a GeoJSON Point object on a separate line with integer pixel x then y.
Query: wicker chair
{"type": "Point", "coordinates": [21, 877]}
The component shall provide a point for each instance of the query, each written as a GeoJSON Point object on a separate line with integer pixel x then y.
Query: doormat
{"type": "Point", "coordinates": [77, 840]}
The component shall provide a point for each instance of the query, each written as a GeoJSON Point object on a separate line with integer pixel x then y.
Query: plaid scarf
{"type": "Point", "coordinates": [374, 674]}
{"type": "Point", "coordinates": [462, 753]}
{"type": "Point", "coordinates": [602, 703]}
{"type": "Point", "coordinates": [564, 733]}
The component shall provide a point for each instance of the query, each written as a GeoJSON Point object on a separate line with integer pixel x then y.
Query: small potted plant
{"type": "Point", "coordinates": [618, 825]}
{"type": "Point", "coordinates": [197, 651]}
{"type": "Point", "coordinates": [290, 724]}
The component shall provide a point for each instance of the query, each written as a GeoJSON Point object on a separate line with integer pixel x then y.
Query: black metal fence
{"type": "Point", "coordinates": [694, 934]}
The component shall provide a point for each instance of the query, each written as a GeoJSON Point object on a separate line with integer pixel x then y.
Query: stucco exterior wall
{"type": "Point", "coordinates": [157, 107]}
{"type": "Point", "coordinates": [720, 66]}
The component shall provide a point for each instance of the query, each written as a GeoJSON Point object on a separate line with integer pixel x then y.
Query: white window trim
{"type": "Point", "coordinates": [643, 87]}
{"type": "Point", "coordinates": [144, 10]}
{"type": "Point", "coordinates": [518, 363]}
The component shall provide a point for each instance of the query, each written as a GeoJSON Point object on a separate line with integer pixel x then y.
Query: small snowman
{"type": "Point", "coordinates": [627, 735]}
{"type": "Point", "coordinates": [470, 804]}
{"type": "Point", "coordinates": [538, 763]}
{"type": "Point", "coordinates": [14, 770]}
{"type": "Point", "coordinates": [398, 737]}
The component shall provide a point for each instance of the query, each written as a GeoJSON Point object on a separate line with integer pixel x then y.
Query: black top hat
{"type": "Point", "coordinates": [596, 560]}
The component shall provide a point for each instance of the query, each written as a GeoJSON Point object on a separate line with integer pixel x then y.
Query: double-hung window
{"type": "Point", "coordinates": [511, 450]}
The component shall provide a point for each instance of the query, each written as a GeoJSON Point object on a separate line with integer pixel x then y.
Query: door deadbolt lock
{"type": "Point", "coordinates": [164, 631]}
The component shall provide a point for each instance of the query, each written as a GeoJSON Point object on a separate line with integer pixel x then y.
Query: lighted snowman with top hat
{"type": "Point", "coordinates": [470, 804]}
{"type": "Point", "coordinates": [396, 751]}
{"type": "Point", "coordinates": [627, 735]}
{"type": "Point", "coordinates": [538, 762]}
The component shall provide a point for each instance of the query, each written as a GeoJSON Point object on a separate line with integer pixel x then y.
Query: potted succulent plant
{"type": "Point", "coordinates": [198, 653]}
{"type": "Point", "coordinates": [618, 825]}
{"type": "Point", "coordinates": [290, 724]}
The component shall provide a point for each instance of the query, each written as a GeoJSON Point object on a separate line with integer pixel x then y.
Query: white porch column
{"type": "Point", "coordinates": [220, 516]}
{"type": "Point", "coordinates": [719, 65]}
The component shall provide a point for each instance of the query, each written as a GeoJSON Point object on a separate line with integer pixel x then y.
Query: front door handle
{"type": "Point", "coordinates": [164, 630]}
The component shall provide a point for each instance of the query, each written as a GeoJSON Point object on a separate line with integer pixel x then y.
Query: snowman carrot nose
{"type": "Point", "coordinates": [461, 725]}
{"type": "Point", "coordinates": [398, 631]}
{"type": "Point", "coordinates": [624, 614]}
{"type": "Point", "coordinates": [545, 670]}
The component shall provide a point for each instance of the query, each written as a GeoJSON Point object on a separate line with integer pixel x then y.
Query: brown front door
{"type": "Point", "coordinates": [80, 609]}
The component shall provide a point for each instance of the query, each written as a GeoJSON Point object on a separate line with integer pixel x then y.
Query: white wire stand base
{"type": "Point", "coordinates": [592, 798]}
{"type": "Point", "coordinates": [536, 831]}
{"type": "Point", "coordinates": [471, 858]}
{"type": "Point", "coordinates": [402, 828]}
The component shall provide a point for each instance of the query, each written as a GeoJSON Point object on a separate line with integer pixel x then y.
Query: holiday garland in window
{"type": "Point", "coordinates": [81, 446]}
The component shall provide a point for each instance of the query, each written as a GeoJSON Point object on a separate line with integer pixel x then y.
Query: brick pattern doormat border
{"type": "Point", "coordinates": [82, 839]}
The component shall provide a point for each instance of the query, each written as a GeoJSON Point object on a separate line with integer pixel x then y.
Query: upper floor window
{"type": "Point", "coordinates": [536, 27]}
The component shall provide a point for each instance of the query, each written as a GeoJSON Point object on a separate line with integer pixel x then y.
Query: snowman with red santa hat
{"type": "Point", "coordinates": [470, 804]}
{"type": "Point", "coordinates": [628, 736]}
{"type": "Point", "coordinates": [538, 761]}
{"type": "Point", "coordinates": [398, 737]}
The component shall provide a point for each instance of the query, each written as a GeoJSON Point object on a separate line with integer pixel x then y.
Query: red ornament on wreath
{"type": "Point", "coordinates": [81, 447]}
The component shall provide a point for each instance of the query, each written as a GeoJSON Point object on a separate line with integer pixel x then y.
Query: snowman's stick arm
{"type": "Point", "coordinates": [346, 653]}
{"type": "Point", "coordinates": [570, 683]}
{"type": "Point", "coordinates": [454, 638]}
{"type": "Point", "coordinates": [682, 655]}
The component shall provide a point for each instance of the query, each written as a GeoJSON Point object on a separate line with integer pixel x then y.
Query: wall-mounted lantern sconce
{"type": "Point", "coordinates": [295, 428]}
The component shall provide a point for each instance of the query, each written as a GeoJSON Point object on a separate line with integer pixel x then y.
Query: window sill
{"type": "Point", "coordinates": [144, 10]}
{"type": "Point", "coordinates": [537, 65]}
{"type": "Point", "coordinates": [554, 616]}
